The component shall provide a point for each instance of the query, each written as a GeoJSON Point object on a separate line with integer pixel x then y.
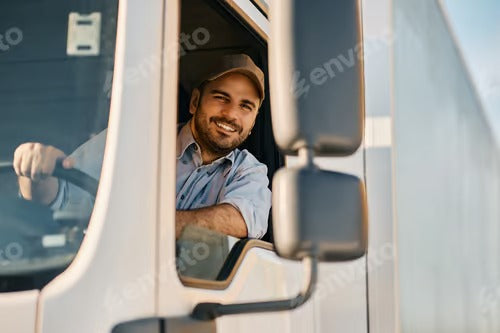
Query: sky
{"type": "Point", "coordinates": [476, 24]}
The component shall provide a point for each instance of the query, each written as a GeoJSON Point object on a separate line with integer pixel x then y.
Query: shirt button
{"type": "Point", "coordinates": [196, 147]}
{"type": "Point", "coordinates": [182, 197]}
{"type": "Point", "coordinates": [198, 170]}
{"type": "Point", "coordinates": [184, 162]}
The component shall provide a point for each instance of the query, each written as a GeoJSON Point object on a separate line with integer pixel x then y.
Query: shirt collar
{"type": "Point", "coordinates": [185, 139]}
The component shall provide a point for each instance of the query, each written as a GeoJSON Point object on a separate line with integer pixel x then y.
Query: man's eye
{"type": "Point", "coordinates": [221, 98]}
{"type": "Point", "coordinates": [246, 107]}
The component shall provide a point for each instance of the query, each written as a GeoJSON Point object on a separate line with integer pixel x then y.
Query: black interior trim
{"type": "Point", "coordinates": [262, 7]}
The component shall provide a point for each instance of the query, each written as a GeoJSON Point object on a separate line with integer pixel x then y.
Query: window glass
{"type": "Point", "coordinates": [56, 64]}
{"type": "Point", "coordinates": [201, 252]}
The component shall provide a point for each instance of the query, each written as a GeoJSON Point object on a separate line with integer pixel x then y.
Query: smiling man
{"type": "Point", "coordinates": [218, 186]}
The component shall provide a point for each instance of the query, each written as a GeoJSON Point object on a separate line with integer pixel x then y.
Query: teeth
{"type": "Point", "coordinates": [226, 127]}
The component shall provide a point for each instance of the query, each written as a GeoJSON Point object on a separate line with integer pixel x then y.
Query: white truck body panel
{"type": "Point", "coordinates": [447, 181]}
{"type": "Point", "coordinates": [18, 311]}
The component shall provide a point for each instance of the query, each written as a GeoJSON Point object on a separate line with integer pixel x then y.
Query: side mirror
{"type": "Point", "coordinates": [317, 99]}
{"type": "Point", "coordinates": [319, 213]}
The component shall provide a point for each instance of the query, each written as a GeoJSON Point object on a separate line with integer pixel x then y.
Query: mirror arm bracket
{"type": "Point", "coordinates": [306, 157]}
{"type": "Point", "coordinates": [210, 311]}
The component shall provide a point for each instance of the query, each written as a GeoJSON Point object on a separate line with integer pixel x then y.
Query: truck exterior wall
{"type": "Point", "coordinates": [447, 181]}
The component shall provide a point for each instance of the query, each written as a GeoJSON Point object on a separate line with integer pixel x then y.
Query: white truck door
{"type": "Point", "coordinates": [256, 273]}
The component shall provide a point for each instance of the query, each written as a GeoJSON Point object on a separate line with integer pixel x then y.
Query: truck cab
{"type": "Point", "coordinates": [124, 70]}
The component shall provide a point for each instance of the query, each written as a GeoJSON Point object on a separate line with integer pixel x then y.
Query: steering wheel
{"type": "Point", "coordinates": [74, 176]}
{"type": "Point", "coordinates": [25, 226]}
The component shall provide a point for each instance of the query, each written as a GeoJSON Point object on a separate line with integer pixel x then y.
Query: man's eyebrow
{"type": "Point", "coordinates": [215, 91]}
{"type": "Point", "coordinates": [246, 101]}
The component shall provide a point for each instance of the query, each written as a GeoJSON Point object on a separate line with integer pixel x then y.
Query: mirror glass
{"type": "Point", "coordinates": [323, 213]}
{"type": "Point", "coordinates": [316, 62]}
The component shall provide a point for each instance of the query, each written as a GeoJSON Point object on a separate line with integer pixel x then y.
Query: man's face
{"type": "Point", "coordinates": [225, 113]}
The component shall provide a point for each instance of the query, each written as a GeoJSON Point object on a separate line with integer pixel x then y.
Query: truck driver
{"type": "Point", "coordinates": [218, 187]}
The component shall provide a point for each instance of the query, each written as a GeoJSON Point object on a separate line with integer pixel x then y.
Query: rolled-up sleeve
{"type": "Point", "coordinates": [249, 193]}
{"type": "Point", "coordinates": [60, 200]}
{"type": "Point", "coordinates": [88, 158]}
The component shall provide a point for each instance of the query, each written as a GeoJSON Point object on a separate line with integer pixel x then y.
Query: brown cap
{"type": "Point", "coordinates": [237, 63]}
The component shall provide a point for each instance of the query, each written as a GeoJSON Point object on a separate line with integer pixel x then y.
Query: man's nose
{"type": "Point", "coordinates": [230, 111]}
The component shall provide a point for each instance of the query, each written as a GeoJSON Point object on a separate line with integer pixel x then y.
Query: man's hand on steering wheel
{"type": "Point", "coordinates": [39, 168]}
{"type": "Point", "coordinates": [37, 161]}
{"type": "Point", "coordinates": [34, 163]}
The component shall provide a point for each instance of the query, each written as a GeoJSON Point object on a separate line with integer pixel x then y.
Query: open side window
{"type": "Point", "coordinates": [212, 29]}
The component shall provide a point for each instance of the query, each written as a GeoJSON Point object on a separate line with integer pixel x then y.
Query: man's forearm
{"type": "Point", "coordinates": [43, 191]}
{"type": "Point", "coordinates": [222, 218]}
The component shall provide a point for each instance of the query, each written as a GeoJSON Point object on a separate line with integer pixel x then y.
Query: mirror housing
{"type": "Point", "coordinates": [319, 213]}
{"type": "Point", "coordinates": [316, 76]}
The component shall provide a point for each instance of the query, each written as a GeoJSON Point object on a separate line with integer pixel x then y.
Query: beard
{"type": "Point", "coordinates": [213, 142]}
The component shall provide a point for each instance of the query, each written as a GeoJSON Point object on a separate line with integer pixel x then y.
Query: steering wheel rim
{"type": "Point", "coordinates": [74, 176]}
{"type": "Point", "coordinates": [45, 224]}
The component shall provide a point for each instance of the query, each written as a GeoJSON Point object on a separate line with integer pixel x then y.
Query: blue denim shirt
{"type": "Point", "coordinates": [237, 179]}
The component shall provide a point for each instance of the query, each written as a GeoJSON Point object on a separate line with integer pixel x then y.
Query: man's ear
{"type": "Point", "coordinates": [251, 128]}
{"type": "Point", "coordinates": [255, 118]}
{"type": "Point", "coordinates": [195, 100]}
